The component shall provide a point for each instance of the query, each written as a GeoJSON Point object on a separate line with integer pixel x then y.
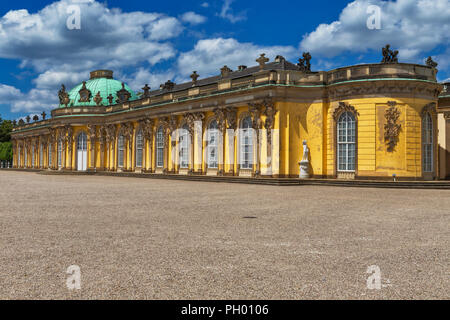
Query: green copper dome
{"type": "Point", "coordinates": [100, 81]}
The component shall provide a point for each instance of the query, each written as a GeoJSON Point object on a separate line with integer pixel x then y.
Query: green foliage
{"type": "Point", "coordinates": [6, 152]}
{"type": "Point", "coordinates": [5, 130]}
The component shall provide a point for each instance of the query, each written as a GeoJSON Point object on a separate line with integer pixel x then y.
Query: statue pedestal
{"type": "Point", "coordinates": [304, 169]}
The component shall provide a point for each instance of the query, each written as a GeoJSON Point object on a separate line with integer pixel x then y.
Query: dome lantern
{"type": "Point", "coordinates": [97, 74]}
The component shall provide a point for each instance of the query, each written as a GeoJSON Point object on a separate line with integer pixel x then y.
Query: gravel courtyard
{"type": "Point", "coordinates": [156, 239]}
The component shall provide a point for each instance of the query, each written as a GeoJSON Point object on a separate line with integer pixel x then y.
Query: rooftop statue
{"type": "Point", "coordinates": [305, 62]}
{"type": "Point", "coordinates": [389, 56]}
{"type": "Point", "coordinates": [63, 96]}
{"type": "Point", "coordinates": [431, 63]}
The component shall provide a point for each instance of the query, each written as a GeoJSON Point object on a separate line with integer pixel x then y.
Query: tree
{"type": "Point", "coordinates": [6, 153]}
{"type": "Point", "coordinates": [5, 130]}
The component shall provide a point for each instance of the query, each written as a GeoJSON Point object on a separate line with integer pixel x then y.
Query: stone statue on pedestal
{"type": "Point", "coordinates": [304, 164]}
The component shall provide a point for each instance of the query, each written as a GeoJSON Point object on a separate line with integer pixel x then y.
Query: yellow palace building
{"type": "Point", "coordinates": [371, 121]}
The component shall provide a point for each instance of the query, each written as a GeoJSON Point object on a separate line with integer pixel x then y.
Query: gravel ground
{"type": "Point", "coordinates": [156, 239]}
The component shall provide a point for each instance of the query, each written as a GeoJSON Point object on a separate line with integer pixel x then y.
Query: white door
{"type": "Point", "coordinates": [82, 152]}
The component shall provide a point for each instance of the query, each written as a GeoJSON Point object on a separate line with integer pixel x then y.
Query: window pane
{"type": "Point", "coordinates": [346, 153]}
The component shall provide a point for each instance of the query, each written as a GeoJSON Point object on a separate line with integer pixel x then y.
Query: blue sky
{"type": "Point", "coordinates": [152, 42]}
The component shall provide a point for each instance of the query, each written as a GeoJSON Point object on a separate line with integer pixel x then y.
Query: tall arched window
{"type": "Point", "coordinates": [139, 148]}
{"type": "Point", "coordinates": [160, 147]}
{"type": "Point", "coordinates": [60, 153]}
{"type": "Point", "coordinates": [427, 142]}
{"type": "Point", "coordinates": [246, 142]}
{"type": "Point", "coordinates": [121, 151]}
{"type": "Point", "coordinates": [33, 157]}
{"type": "Point", "coordinates": [19, 164]}
{"type": "Point", "coordinates": [41, 155]}
{"type": "Point", "coordinates": [50, 158]}
{"type": "Point", "coordinates": [184, 147]}
{"type": "Point", "coordinates": [25, 151]}
{"type": "Point", "coordinates": [213, 137]}
{"type": "Point", "coordinates": [346, 142]}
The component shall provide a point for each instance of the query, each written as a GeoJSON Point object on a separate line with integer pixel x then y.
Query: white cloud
{"type": "Point", "coordinates": [165, 28]}
{"type": "Point", "coordinates": [412, 26]}
{"type": "Point", "coordinates": [143, 76]}
{"type": "Point", "coordinates": [193, 18]}
{"type": "Point", "coordinates": [108, 37]}
{"type": "Point", "coordinates": [228, 13]}
{"type": "Point", "coordinates": [35, 100]}
{"type": "Point", "coordinates": [209, 55]}
{"type": "Point", "coordinates": [8, 93]}
{"type": "Point", "coordinates": [205, 5]}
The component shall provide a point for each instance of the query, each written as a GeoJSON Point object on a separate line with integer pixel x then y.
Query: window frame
{"type": "Point", "coordinates": [427, 147]}
{"type": "Point", "coordinates": [139, 147]}
{"type": "Point", "coordinates": [213, 131]}
{"type": "Point", "coordinates": [159, 146]}
{"type": "Point", "coordinates": [121, 151]}
{"type": "Point", "coordinates": [346, 146]}
{"type": "Point", "coordinates": [246, 150]}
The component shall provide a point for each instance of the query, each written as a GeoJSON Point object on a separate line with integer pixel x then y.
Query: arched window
{"type": "Point", "coordinates": [184, 147]}
{"type": "Point", "coordinates": [160, 147]}
{"type": "Point", "coordinates": [41, 155]}
{"type": "Point", "coordinates": [121, 150]}
{"type": "Point", "coordinates": [346, 142]}
{"type": "Point", "coordinates": [50, 158]}
{"type": "Point", "coordinates": [60, 152]}
{"type": "Point", "coordinates": [82, 152]}
{"type": "Point", "coordinates": [19, 156]}
{"type": "Point", "coordinates": [246, 142]}
{"type": "Point", "coordinates": [427, 142]}
{"type": "Point", "coordinates": [25, 151]}
{"type": "Point", "coordinates": [139, 148]}
{"type": "Point", "coordinates": [33, 157]}
{"type": "Point", "coordinates": [213, 136]}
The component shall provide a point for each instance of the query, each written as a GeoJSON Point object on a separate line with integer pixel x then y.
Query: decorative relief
{"type": "Point", "coordinates": [337, 92]}
{"type": "Point", "coordinates": [101, 137]}
{"type": "Point", "coordinates": [392, 128]}
{"type": "Point", "coordinates": [52, 134]}
{"type": "Point", "coordinates": [447, 115]}
{"type": "Point", "coordinates": [98, 99]}
{"type": "Point", "coordinates": [256, 110]}
{"type": "Point", "coordinates": [191, 118]}
{"type": "Point", "coordinates": [147, 128]}
{"type": "Point", "coordinates": [220, 118]}
{"type": "Point", "coordinates": [344, 107]}
{"type": "Point", "coordinates": [110, 99]}
{"type": "Point", "coordinates": [69, 137]}
{"type": "Point", "coordinates": [123, 95]}
{"type": "Point", "coordinates": [92, 132]}
{"type": "Point", "coordinates": [231, 117]}
{"type": "Point", "coordinates": [85, 94]}
{"type": "Point", "coordinates": [110, 131]}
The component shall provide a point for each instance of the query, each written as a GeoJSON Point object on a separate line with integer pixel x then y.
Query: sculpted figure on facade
{"type": "Point", "coordinates": [392, 128]}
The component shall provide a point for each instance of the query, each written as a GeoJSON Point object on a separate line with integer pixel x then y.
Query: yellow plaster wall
{"type": "Point", "coordinates": [299, 122]}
